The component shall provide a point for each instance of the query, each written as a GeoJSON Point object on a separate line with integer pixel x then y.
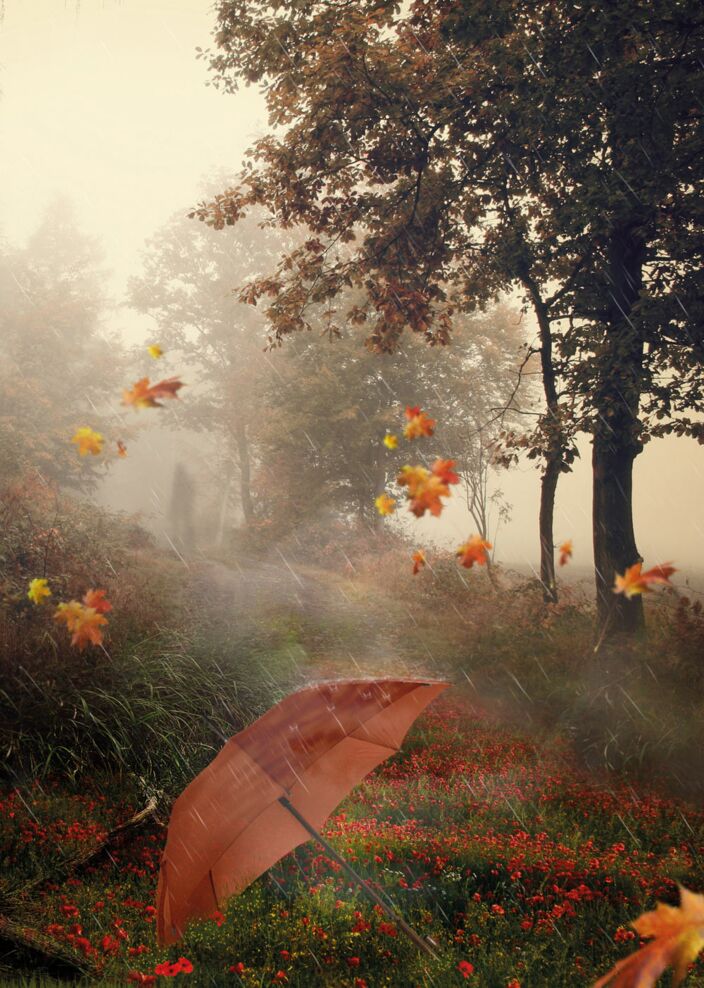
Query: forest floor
{"type": "Point", "coordinates": [488, 831]}
{"type": "Point", "coordinates": [522, 868]}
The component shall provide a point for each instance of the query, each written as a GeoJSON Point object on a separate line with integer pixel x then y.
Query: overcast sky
{"type": "Point", "coordinates": [104, 101]}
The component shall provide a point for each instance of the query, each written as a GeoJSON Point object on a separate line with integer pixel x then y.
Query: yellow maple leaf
{"type": "Point", "coordinates": [38, 590]}
{"type": "Point", "coordinates": [88, 441]}
{"type": "Point", "coordinates": [390, 441]}
{"type": "Point", "coordinates": [385, 505]}
{"type": "Point", "coordinates": [155, 351]}
{"type": "Point", "coordinates": [678, 938]}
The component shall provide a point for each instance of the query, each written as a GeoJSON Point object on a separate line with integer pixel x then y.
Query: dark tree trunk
{"type": "Point", "coordinates": [548, 487]}
{"type": "Point", "coordinates": [245, 473]}
{"type": "Point", "coordinates": [554, 457]}
{"type": "Point", "coordinates": [614, 539]}
{"type": "Point", "coordinates": [616, 440]}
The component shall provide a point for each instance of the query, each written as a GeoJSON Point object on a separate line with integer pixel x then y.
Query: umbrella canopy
{"type": "Point", "coordinates": [229, 825]}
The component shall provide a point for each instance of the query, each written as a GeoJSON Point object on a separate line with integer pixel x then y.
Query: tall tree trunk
{"type": "Point", "coordinates": [245, 472]}
{"type": "Point", "coordinates": [616, 440]}
{"type": "Point", "coordinates": [554, 456]}
{"type": "Point", "coordinates": [548, 487]}
{"type": "Point", "coordinates": [614, 538]}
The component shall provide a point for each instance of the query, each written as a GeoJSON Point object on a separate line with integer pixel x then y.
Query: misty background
{"type": "Point", "coordinates": [105, 106]}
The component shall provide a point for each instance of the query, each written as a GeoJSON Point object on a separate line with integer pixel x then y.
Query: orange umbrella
{"type": "Point", "coordinates": [273, 785]}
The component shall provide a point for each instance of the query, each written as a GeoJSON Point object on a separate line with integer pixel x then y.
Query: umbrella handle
{"type": "Point", "coordinates": [392, 914]}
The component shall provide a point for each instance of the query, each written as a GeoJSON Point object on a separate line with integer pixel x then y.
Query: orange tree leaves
{"type": "Point", "coordinates": [425, 488]}
{"type": "Point", "coordinates": [142, 395]}
{"type": "Point", "coordinates": [678, 937]}
{"type": "Point", "coordinates": [419, 424]}
{"type": "Point", "coordinates": [634, 581]}
{"type": "Point", "coordinates": [474, 550]}
{"type": "Point", "coordinates": [566, 552]}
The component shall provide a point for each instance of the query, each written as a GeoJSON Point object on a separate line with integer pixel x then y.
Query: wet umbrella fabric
{"type": "Point", "coordinates": [232, 822]}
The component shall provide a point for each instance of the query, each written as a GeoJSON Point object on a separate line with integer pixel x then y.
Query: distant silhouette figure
{"type": "Point", "coordinates": [181, 509]}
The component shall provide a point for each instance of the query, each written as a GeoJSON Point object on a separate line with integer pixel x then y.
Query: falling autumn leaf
{"type": "Point", "coordinates": [427, 487]}
{"type": "Point", "coordinates": [419, 560]}
{"type": "Point", "coordinates": [474, 550]}
{"type": "Point", "coordinates": [678, 938]}
{"type": "Point", "coordinates": [443, 470]}
{"type": "Point", "coordinates": [634, 581]}
{"type": "Point", "coordinates": [155, 351]}
{"type": "Point", "coordinates": [69, 613]}
{"type": "Point", "coordinates": [385, 505]}
{"type": "Point", "coordinates": [85, 623]}
{"type": "Point", "coordinates": [390, 441]}
{"type": "Point", "coordinates": [88, 441]}
{"type": "Point", "coordinates": [38, 590]}
{"type": "Point", "coordinates": [142, 395]}
{"type": "Point", "coordinates": [565, 552]}
{"type": "Point", "coordinates": [96, 600]}
{"type": "Point", "coordinates": [121, 448]}
{"type": "Point", "coordinates": [419, 424]}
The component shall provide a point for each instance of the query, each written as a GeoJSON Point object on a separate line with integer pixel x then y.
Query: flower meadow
{"type": "Point", "coordinates": [524, 871]}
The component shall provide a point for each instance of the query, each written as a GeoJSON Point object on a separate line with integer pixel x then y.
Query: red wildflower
{"type": "Point", "coordinates": [137, 978]}
{"type": "Point", "coordinates": [353, 961]}
{"type": "Point", "coordinates": [109, 945]}
{"type": "Point", "coordinates": [237, 968]}
{"type": "Point", "coordinates": [169, 970]}
{"type": "Point", "coordinates": [465, 968]}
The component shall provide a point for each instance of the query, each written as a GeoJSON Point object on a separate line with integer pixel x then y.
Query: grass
{"type": "Point", "coordinates": [512, 858]}
{"type": "Point", "coordinates": [526, 821]}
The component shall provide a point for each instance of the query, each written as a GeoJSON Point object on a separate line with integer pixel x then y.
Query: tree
{"type": "Point", "coordinates": [56, 364]}
{"type": "Point", "coordinates": [329, 406]}
{"type": "Point", "coordinates": [459, 150]}
{"type": "Point", "coordinates": [187, 287]}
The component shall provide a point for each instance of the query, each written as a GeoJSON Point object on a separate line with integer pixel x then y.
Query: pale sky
{"type": "Point", "coordinates": [104, 101]}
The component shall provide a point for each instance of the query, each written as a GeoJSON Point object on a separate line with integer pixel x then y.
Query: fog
{"type": "Point", "coordinates": [103, 102]}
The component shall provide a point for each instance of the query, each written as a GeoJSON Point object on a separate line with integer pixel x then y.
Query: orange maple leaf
{"type": "Point", "coordinates": [634, 581]}
{"type": "Point", "coordinates": [121, 448]}
{"type": "Point", "coordinates": [678, 937]}
{"type": "Point", "coordinates": [96, 600]}
{"type": "Point", "coordinates": [424, 490]}
{"type": "Point", "coordinates": [443, 470]}
{"type": "Point", "coordinates": [85, 623]}
{"type": "Point", "coordinates": [419, 560]}
{"type": "Point", "coordinates": [565, 552]}
{"type": "Point", "coordinates": [426, 487]}
{"type": "Point", "coordinates": [144, 396]}
{"type": "Point", "coordinates": [474, 551]}
{"type": "Point", "coordinates": [419, 424]}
